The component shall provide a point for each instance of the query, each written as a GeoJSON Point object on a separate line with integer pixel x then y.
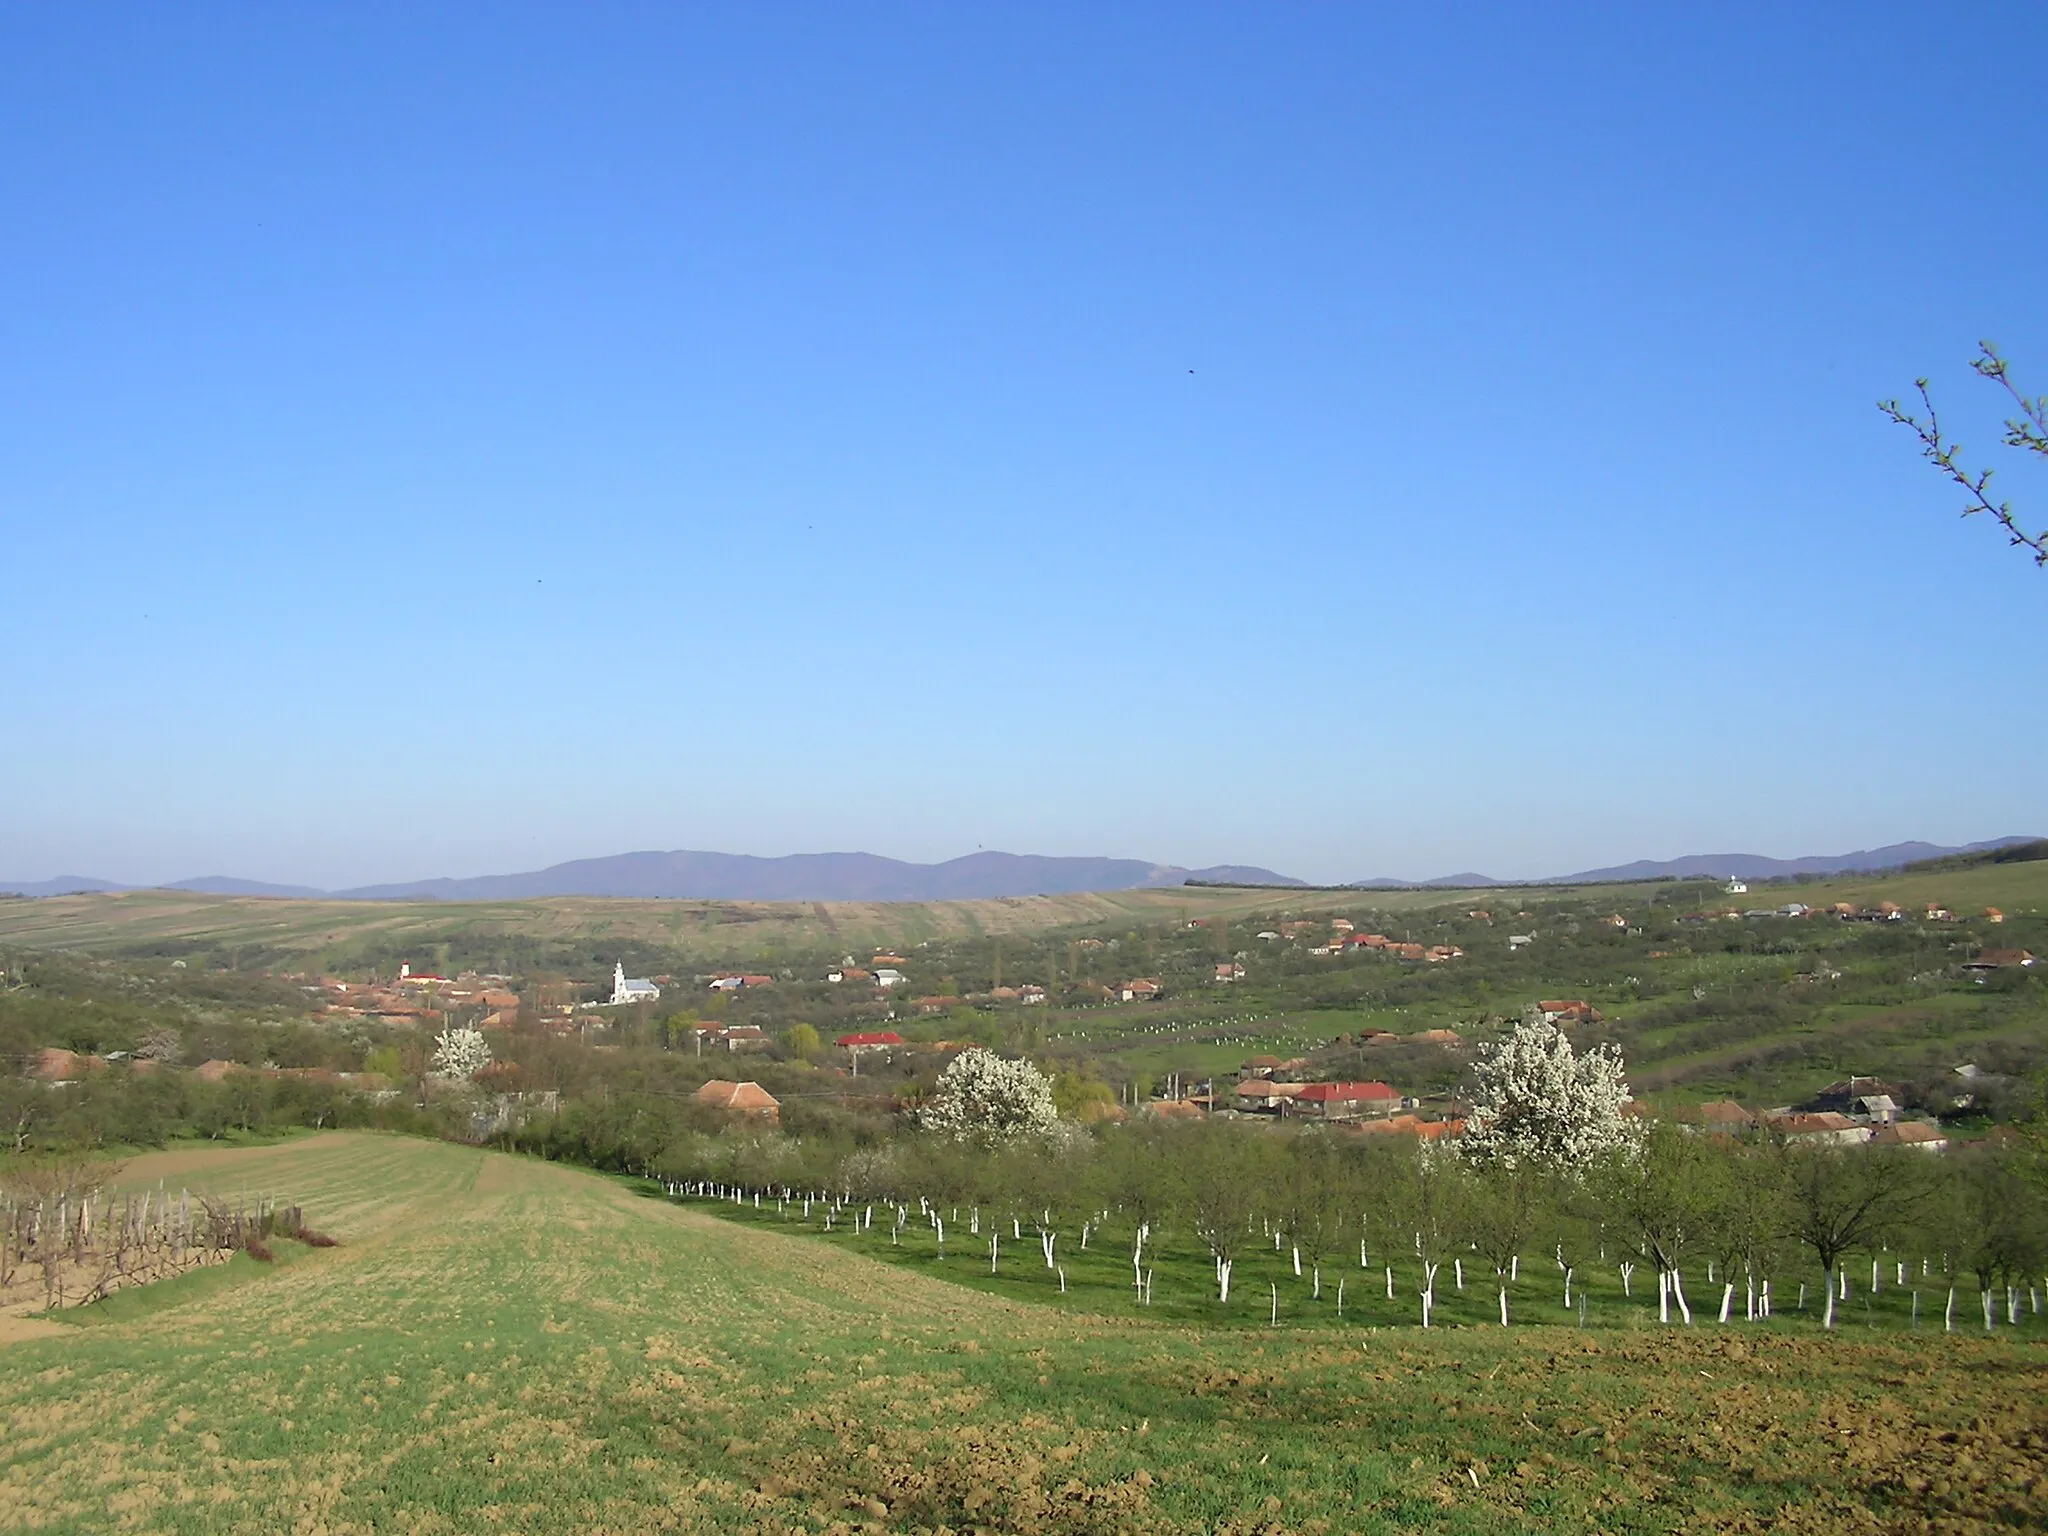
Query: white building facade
{"type": "Point", "coordinates": [631, 989]}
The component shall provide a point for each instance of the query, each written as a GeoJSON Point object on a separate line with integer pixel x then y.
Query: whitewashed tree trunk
{"type": "Point", "coordinates": [1390, 1282]}
{"type": "Point", "coordinates": [1663, 1296]}
{"type": "Point", "coordinates": [1828, 1317]}
{"type": "Point", "coordinates": [1727, 1298]}
{"type": "Point", "coordinates": [1948, 1315]}
{"type": "Point", "coordinates": [1503, 1305]}
{"type": "Point", "coordinates": [1567, 1288]}
{"type": "Point", "coordinates": [1316, 1282]}
{"type": "Point", "coordinates": [1990, 1313]}
{"type": "Point", "coordinates": [1678, 1295]}
{"type": "Point", "coordinates": [1458, 1270]}
{"type": "Point", "coordinates": [1223, 1267]}
{"type": "Point", "coordinates": [1628, 1275]}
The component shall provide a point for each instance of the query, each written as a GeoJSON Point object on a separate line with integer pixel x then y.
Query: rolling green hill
{"type": "Point", "coordinates": [506, 1344]}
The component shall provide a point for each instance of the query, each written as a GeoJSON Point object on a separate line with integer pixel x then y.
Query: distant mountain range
{"type": "Point", "coordinates": [869, 877]}
{"type": "Point", "coordinates": [1726, 866]}
{"type": "Point", "coordinates": [741, 877]}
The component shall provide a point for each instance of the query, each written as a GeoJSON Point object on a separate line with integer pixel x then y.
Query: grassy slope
{"type": "Point", "coordinates": [510, 1344]}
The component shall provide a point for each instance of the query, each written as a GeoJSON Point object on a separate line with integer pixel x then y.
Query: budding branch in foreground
{"type": "Point", "coordinates": [2028, 430]}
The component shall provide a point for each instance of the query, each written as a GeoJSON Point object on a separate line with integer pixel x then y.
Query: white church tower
{"type": "Point", "coordinates": [631, 989]}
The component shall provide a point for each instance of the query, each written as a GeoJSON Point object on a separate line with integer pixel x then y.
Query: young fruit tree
{"type": "Point", "coordinates": [1747, 1228]}
{"type": "Point", "coordinates": [2002, 1231]}
{"type": "Point", "coordinates": [459, 1053]}
{"type": "Point", "coordinates": [1840, 1199]}
{"type": "Point", "coordinates": [1422, 1198]}
{"type": "Point", "coordinates": [1138, 1175]}
{"type": "Point", "coordinates": [1540, 1102]}
{"type": "Point", "coordinates": [985, 1099]}
{"type": "Point", "coordinates": [1503, 1206]}
{"type": "Point", "coordinates": [1318, 1202]}
{"type": "Point", "coordinates": [1663, 1193]}
{"type": "Point", "coordinates": [1224, 1173]}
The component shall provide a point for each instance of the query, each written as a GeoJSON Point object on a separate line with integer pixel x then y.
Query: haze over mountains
{"type": "Point", "coordinates": [742, 877]}
{"type": "Point", "coordinates": [684, 874]}
{"type": "Point", "coordinates": [1725, 866]}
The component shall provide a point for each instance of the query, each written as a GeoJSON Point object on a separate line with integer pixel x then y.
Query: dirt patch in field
{"type": "Point", "coordinates": [969, 1477]}
{"type": "Point", "coordinates": [18, 1330]}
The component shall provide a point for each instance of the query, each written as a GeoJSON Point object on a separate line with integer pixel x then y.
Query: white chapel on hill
{"type": "Point", "coordinates": [631, 989]}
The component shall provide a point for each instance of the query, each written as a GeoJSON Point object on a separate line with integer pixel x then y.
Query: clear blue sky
{"type": "Point", "coordinates": [1354, 439]}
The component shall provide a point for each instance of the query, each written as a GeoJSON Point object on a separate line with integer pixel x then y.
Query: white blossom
{"type": "Point", "coordinates": [461, 1053]}
{"type": "Point", "coordinates": [1540, 1101]}
{"type": "Point", "coordinates": [982, 1097]}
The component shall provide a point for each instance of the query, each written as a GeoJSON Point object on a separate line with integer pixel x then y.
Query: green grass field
{"type": "Point", "coordinates": [509, 1345]}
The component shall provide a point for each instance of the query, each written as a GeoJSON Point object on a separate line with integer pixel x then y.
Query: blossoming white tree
{"type": "Point", "coordinates": [461, 1053]}
{"type": "Point", "coordinates": [982, 1097]}
{"type": "Point", "coordinates": [1540, 1102]}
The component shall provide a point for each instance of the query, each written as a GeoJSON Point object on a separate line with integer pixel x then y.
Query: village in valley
{"type": "Point", "coordinates": [1369, 1028]}
{"type": "Point", "coordinates": [1311, 1116]}
{"type": "Point", "coordinates": [1082, 770]}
